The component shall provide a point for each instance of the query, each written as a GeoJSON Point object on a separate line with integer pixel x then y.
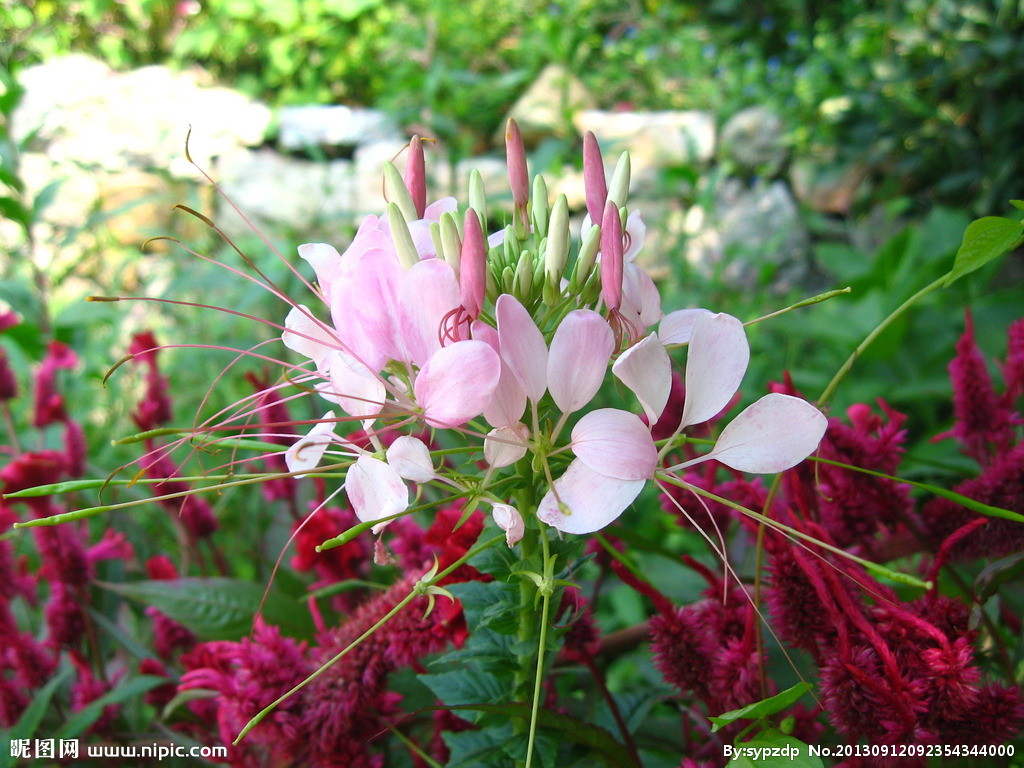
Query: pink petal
{"type": "Point", "coordinates": [375, 490]}
{"type": "Point", "coordinates": [509, 401]}
{"type": "Point", "coordinates": [305, 454]}
{"type": "Point", "coordinates": [773, 434]}
{"type": "Point", "coordinates": [647, 370]}
{"type": "Point", "coordinates": [578, 361]}
{"type": "Point", "coordinates": [411, 459]}
{"type": "Point", "coordinates": [522, 346]}
{"type": "Point", "coordinates": [636, 232]}
{"type": "Point", "coordinates": [427, 292]}
{"type": "Point", "coordinates": [358, 390]}
{"type": "Point", "coordinates": [615, 443]}
{"type": "Point", "coordinates": [457, 383]}
{"type": "Point", "coordinates": [306, 335]}
{"type": "Point", "coordinates": [376, 304]}
{"type": "Point", "coordinates": [506, 445]}
{"type": "Point", "coordinates": [715, 366]}
{"type": "Point", "coordinates": [510, 521]}
{"type": "Point", "coordinates": [676, 327]}
{"type": "Point", "coordinates": [591, 500]}
{"type": "Point", "coordinates": [641, 302]}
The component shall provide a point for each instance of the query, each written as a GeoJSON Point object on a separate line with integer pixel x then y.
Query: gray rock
{"type": "Point", "coordinates": [753, 235]}
{"type": "Point", "coordinates": [754, 140]}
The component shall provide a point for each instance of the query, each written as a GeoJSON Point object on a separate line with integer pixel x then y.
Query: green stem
{"type": "Point", "coordinates": [539, 679]}
{"type": "Point", "coordinates": [841, 373]}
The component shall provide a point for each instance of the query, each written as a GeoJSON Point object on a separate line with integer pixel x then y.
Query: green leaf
{"type": "Point", "coordinates": [760, 709]}
{"type": "Point", "coordinates": [81, 720]}
{"type": "Point", "coordinates": [466, 688]}
{"type": "Point", "coordinates": [771, 748]}
{"type": "Point", "coordinates": [984, 240]}
{"type": "Point", "coordinates": [1017, 204]}
{"type": "Point", "coordinates": [216, 608]}
{"type": "Point", "coordinates": [33, 715]}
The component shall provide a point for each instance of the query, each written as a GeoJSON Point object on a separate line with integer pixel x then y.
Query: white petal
{"type": "Point", "coordinates": [615, 443]}
{"type": "Point", "coordinates": [578, 361]}
{"type": "Point", "coordinates": [647, 370]}
{"type": "Point", "coordinates": [353, 386]}
{"type": "Point", "coordinates": [506, 445]}
{"type": "Point", "coordinates": [510, 521]}
{"type": "Point", "coordinates": [375, 490]}
{"type": "Point", "coordinates": [640, 297]}
{"type": "Point", "coordinates": [411, 459]}
{"type": "Point", "coordinates": [308, 336]}
{"type": "Point", "coordinates": [715, 365]}
{"type": "Point", "coordinates": [305, 453]}
{"type": "Point", "coordinates": [326, 263]}
{"type": "Point", "coordinates": [775, 433]}
{"type": "Point", "coordinates": [590, 500]}
{"type": "Point", "coordinates": [676, 327]}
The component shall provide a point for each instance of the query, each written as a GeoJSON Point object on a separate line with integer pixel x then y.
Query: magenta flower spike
{"type": "Point", "coordinates": [415, 176]}
{"type": "Point", "coordinates": [611, 257]}
{"type": "Point", "coordinates": [594, 183]}
{"type": "Point", "coordinates": [518, 171]}
{"type": "Point", "coordinates": [473, 265]}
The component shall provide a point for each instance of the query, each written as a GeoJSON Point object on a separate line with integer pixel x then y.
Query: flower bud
{"type": "Point", "coordinates": [585, 260]}
{"type": "Point", "coordinates": [518, 177]}
{"type": "Point", "coordinates": [473, 265]}
{"type": "Point", "coordinates": [611, 256]}
{"type": "Point", "coordinates": [477, 198]}
{"type": "Point", "coordinates": [618, 189]}
{"type": "Point", "coordinates": [416, 176]}
{"type": "Point", "coordinates": [396, 192]}
{"type": "Point", "coordinates": [401, 236]}
{"type": "Point", "coordinates": [450, 240]}
{"type": "Point", "coordinates": [523, 285]}
{"type": "Point", "coordinates": [540, 206]}
{"type": "Point", "coordinates": [593, 177]}
{"type": "Point", "coordinates": [557, 251]}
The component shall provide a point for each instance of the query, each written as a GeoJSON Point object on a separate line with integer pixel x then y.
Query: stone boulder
{"type": "Point", "coordinates": [753, 235]}
{"type": "Point", "coordinates": [754, 141]}
{"type": "Point", "coordinates": [546, 108]}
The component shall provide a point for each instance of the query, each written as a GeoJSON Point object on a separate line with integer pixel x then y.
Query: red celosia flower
{"type": "Point", "coordinates": [49, 404]}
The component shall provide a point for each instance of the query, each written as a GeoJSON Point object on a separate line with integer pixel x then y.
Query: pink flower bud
{"type": "Point", "coordinates": [611, 256]}
{"type": "Point", "coordinates": [473, 265]}
{"type": "Point", "coordinates": [416, 176]}
{"type": "Point", "coordinates": [593, 176]}
{"type": "Point", "coordinates": [518, 173]}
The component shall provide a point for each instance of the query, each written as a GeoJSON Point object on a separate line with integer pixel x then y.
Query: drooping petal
{"type": "Point", "coordinates": [715, 365]}
{"type": "Point", "coordinates": [590, 500]}
{"type": "Point", "coordinates": [506, 445]}
{"type": "Point", "coordinates": [375, 490]}
{"type": "Point", "coordinates": [636, 232]}
{"type": "Point", "coordinates": [427, 292]}
{"type": "Point", "coordinates": [375, 302]}
{"type": "Point", "coordinates": [772, 435]}
{"type": "Point", "coordinates": [578, 360]}
{"type": "Point", "coordinates": [306, 335]}
{"type": "Point", "coordinates": [411, 459]}
{"type": "Point", "coordinates": [305, 453]}
{"type": "Point", "coordinates": [676, 327]}
{"type": "Point", "coordinates": [647, 370]}
{"type": "Point", "coordinates": [457, 383]}
{"type": "Point", "coordinates": [510, 521]}
{"type": "Point", "coordinates": [358, 390]}
{"type": "Point", "coordinates": [615, 443]}
{"type": "Point", "coordinates": [522, 346]}
{"type": "Point", "coordinates": [641, 301]}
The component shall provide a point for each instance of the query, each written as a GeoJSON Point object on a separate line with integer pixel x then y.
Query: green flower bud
{"type": "Point", "coordinates": [450, 240]}
{"type": "Point", "coordinates": [396, 192]}
{"type": "Point", "coordinates": [618, 189]}
{"type": "Point", "coordinates": [401, 236]}
{"type": "Point", "coordinates": [540, 206]}
{"type": "Point", "coordinates": [477, 198]}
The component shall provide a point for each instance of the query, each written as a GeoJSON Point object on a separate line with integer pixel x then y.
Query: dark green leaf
{"type": "Point", "coordinates": [81, 720]}
{"type": "Point", "coordinates": [466, 688]}
{"type": "Point", "coordinates": [763, 708]}
{"type": "Point", "coordinates": [33, 715]}
{"type": "Point", "coordinates": [216, 608]}
{"type": "Point", "coordinates": [985, 239]}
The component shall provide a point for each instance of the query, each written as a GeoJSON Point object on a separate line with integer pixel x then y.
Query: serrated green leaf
{"type": "Point", "coordinates": [216, 608]}
{"type": "Point", "coordinates": [762, 708]}
{"type": "Point", "coordinates": [466, 688]}
{"type": "Point", "coordinates": [1017, 204]}
{"type": "Point", "coordinates": [985, 239]}
{"type": "Point", "coordinates": [477, 749]}
{"type": "Point", "coordinates": [81, 720]}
